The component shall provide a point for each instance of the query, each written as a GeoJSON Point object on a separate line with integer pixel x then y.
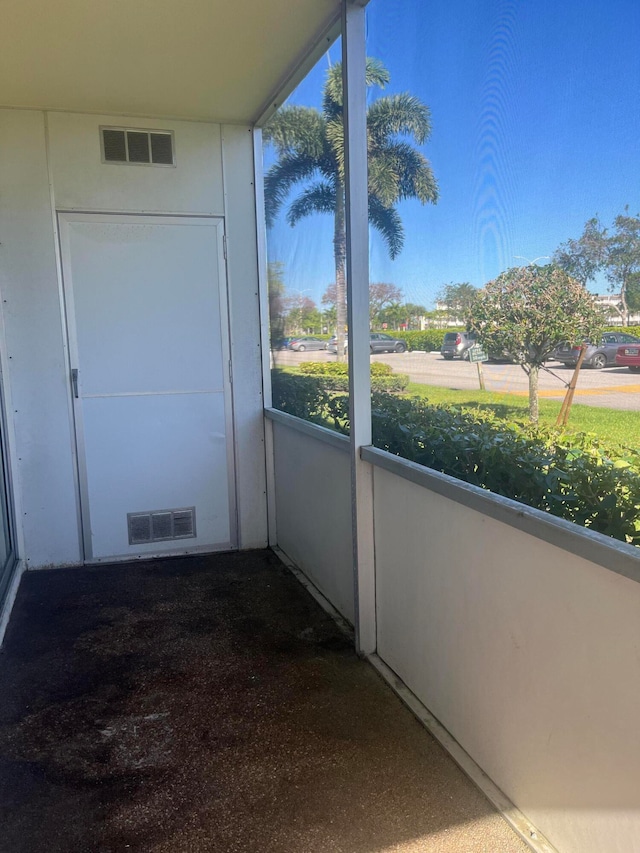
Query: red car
{"type": "Point", "coordinates": [629, 356]}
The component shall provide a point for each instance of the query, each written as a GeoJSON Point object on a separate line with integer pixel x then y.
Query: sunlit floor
{"type": "Point", "coordinates": [209, 704]}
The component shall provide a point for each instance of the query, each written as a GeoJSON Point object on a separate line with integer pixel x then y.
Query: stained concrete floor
{"type": "Point", "coordinates": [209, 704]}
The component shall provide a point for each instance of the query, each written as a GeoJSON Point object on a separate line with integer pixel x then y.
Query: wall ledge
{"type": "Point", "coordinates": [618, 557]}
{"type": "Point", "coordinates": [320, 433]}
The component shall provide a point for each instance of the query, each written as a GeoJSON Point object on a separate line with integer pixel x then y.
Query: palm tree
{"type": "Point", "coordinates": [310, 148]}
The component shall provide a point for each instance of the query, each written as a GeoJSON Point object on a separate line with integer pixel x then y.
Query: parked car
{"type": "Point", "coordinates": [378, 342]}
{"type": "Point", "coordinates": [306, 343]}
{"type": "Point", "coordinates": [629, 356]}
{"type": "Point", "coordinates": [281, 343]}
{"type": "Point", "coordinates": [597, 356]}
{"type": "Point", "coordinates": [457, 344]}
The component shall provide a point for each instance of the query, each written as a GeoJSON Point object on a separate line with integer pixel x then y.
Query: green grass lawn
{"type": "Point", "coordinates": [616, 425]}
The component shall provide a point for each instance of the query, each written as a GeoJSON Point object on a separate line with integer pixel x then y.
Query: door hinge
{"type": "Point", "coordinates": [230, 373]}
{"type": "Point", "coordinates": [74, 381]}
{"type": "Point", "coordinates": [224, 245]}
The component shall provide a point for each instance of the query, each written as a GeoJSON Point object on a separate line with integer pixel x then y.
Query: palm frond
{"type": "Point", "coordinates": [318, 198]}
{"type": "Point", "coordinates": [332, 99]}
{"type": "Point", "coordinates": [335, 138]}
{"type": "Point", "coordinates": [388, 223]}
{"type": "Point", "coordinates": [281, 177]}
{"type": "Point", "coordinates": [296, 130]}
{"type": "Point", "coordinates": [397, 171]}
{"type": "Point", "coordinates": [376, 73]}
{"type": "Point", "coordinates": [383, 179]}
{"type": "Point", "coordinates": [398, 114]}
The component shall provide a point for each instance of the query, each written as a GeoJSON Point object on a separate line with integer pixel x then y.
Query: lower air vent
{"type": "Point", "coordinates": [161, 525]}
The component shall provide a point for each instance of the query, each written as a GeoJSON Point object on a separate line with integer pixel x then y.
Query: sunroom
{"type": "Point", "coordinates": [137, 417]}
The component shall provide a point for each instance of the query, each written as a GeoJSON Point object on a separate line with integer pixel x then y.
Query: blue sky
{"type": "Point", "coordinates": [536, 128]}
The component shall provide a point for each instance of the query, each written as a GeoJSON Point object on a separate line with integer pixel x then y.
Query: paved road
{"type": "Point", "coordinates": [613, 387]}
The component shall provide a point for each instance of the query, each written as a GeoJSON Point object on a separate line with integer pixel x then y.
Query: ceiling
{"type": "Point", "coordinates": [216, 60]}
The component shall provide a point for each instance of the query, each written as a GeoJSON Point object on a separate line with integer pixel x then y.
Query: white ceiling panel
{"type": "Point", "coordinates": [198, 59]}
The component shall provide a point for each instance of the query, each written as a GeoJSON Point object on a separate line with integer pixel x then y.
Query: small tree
{"type": "Point", "coordinates": [527, 311]}
{"type": "Point", "coordinates": [623, 260]}
{"type": "Point", "coordinates": [633, 293]}
{"type": "Point", "coordinates": [301, 313]}
{"type": "Point", "coordinates": [584, 258]}
{"type": "Point", "coordinates": [381, 295]}
{"type": "Point", "coordinates": [457, 299]}
{"type": "Point", "coordinates": [617, 253]}
{"type": "Point", "coordinates": [412, 314]}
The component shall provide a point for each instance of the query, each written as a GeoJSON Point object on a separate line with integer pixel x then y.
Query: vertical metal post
{"type": "Point", "coordinates": [357, 232]}
{"type": "Point", "coordinates": [265, 337]}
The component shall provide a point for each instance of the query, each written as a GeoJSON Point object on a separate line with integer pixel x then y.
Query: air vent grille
{"type": "Point", "coordinates": [139, 529]}
{"type": "Point", "coordinates": [115, 147]}
{"type": "Point", "coordinates": [140, 147]}
{"type": "Point", "coordinates": [161, 525]}
{"type": "Point", "coordinates": [161, 149]}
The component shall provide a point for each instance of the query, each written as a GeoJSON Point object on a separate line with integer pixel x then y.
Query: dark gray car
{"type": "Point", "coordinates": [305, 343]}
{"type": "Point", "coordinates": [597, 356]}
{"type": "Point", "coordinates": [378, 342]}
{"type": "Point", "coordinates": [457, 344]}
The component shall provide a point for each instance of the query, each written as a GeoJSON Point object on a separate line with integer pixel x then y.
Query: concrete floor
{"type": "Point", "coordinates": [209, 704]}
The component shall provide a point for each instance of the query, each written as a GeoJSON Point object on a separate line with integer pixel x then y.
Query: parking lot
{"type": "Point", "coordinates": [612, 387]}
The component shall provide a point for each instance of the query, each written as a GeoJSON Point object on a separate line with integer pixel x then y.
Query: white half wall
{"type": "Point", "coordinates": [313, 508]}
{"type": "Point", "coordinates": [528, 654]}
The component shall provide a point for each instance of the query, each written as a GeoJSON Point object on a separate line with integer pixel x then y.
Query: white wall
{"type": "Point", "coordinates": [43, 467]}
{"type": "Point", "coordinates": [52, 161]}
{"type": "Point", "coordinates": [244, 318]}
{"type": "Point", "coordinates": [81, 181]}
{"type": "Point", "coordinates": [528, 654]}
{"type": "Point", "coordinates": [313, 511]}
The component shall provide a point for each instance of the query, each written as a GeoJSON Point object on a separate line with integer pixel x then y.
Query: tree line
{"type": "Point", "coordinates": [293, 312]}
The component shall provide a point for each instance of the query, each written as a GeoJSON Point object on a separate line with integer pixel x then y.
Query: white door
{"type": "Point", "coordinates": [145, 300]}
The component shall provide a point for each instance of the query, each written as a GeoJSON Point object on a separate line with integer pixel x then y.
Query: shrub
{"type": "Point", "coordinates": [427, 340]}
{"type": "Point", "coordinates": [576, 477]}
{"type": "Point", "coordinates": [301, 396]}
{"type": "Point", "coordinates": [628, 330]}
{"type": "Point", "coordinates": [334, 376]}
{"type": "Point", "coordinates": [340, 368]}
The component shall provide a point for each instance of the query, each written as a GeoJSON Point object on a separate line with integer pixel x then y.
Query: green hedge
{"type": "Point", "coordinates": [426, 341]}
{"type": "Point", "coordinates": [628, 330]}
{"type": "Point", "coordinates": [430, 340]}
{"type": "Point", "coordinates": [576, 477]}
{"type": "Point", "coordinates": [340, 368]}
{"type": "Point", "coordinates": [334, 376]}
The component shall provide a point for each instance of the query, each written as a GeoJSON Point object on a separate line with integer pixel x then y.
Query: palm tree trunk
{"type": "Point", "coordinates": [340, 255]}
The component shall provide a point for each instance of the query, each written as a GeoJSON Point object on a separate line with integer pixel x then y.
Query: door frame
{"type": "Point", "coordinates": [64, 219]}
{"type": "Point", "coordinates": [7, 570]}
